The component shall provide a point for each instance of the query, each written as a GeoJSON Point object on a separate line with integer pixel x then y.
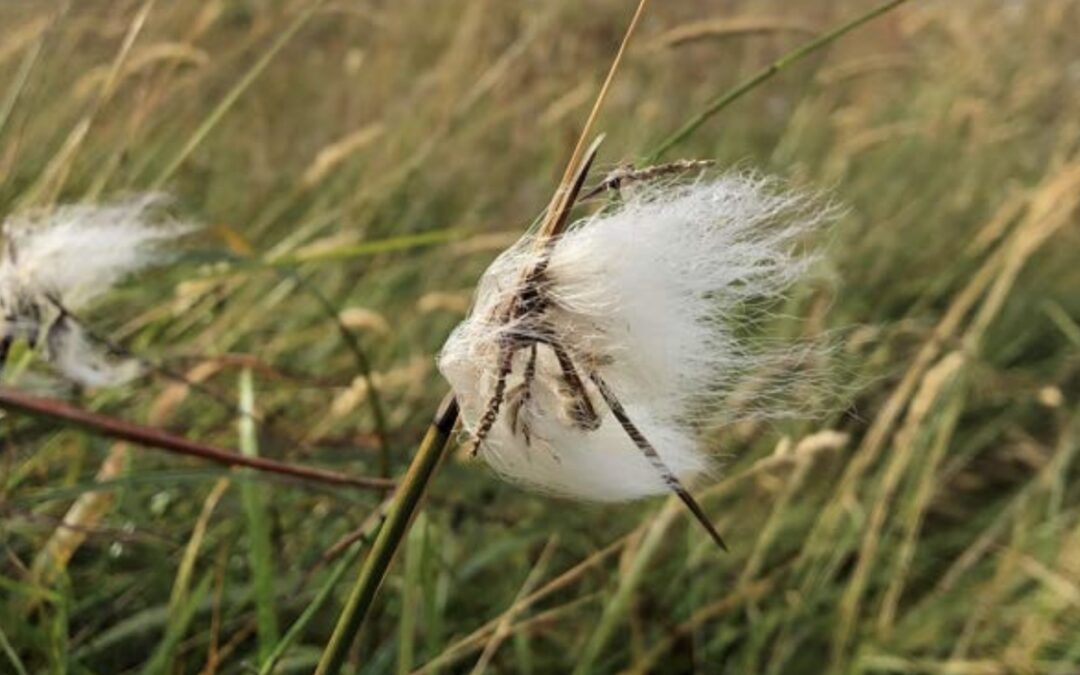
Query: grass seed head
{"type": "Point", "coordinates": [60, 261]}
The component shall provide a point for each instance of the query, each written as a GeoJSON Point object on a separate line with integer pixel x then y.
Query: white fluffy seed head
{"type": "Point", "coordinates": [82, 360]}
{"type": "Point", "coordinates": [78, 252]}
{"type": "Point", "coordinates": [69, 257]}
{"type": "Point", "coordinates": [652, 296]}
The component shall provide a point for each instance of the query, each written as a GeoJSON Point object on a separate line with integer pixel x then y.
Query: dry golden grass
{"type": "Point", "coordinates": [380, 155]}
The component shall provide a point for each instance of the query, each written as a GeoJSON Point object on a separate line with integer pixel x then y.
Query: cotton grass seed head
{"type": "Point", "coordinates": [57, 263]}
{"type": "Point", "coordinates": [644, 301]}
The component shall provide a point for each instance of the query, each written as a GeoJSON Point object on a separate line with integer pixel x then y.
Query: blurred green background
{"type": "Point", "coordinates": [372, 158]}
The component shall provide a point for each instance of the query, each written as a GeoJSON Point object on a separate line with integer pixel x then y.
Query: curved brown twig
{"type": "Point", "coordinates": [37, 406]}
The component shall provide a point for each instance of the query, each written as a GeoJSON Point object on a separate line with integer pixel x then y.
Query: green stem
{"type": "Point", "coordinates": [363, 363]}
{"type": "Point", "coordinates": [726, 99]}
{"type": "Point", "coordinates": [260, 554]}
{"type": "Point", "coordinates": [296, 630]}
{"type": "Point", "coordinates": [407, 500]}
{"type": "Point", "coordinates": [234, 94]}
{"type": "Point", "coordinates": [615, 610]}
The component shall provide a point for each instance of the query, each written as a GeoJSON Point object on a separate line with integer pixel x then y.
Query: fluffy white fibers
{"type": "Point", "coordinates": [651, 296]}
{"type": "Point", "coordinates": [78, 252]}
{"type": "Point", "coordinates": [82, 360]}
{"type": "Point", "coordinates": [61, 261]}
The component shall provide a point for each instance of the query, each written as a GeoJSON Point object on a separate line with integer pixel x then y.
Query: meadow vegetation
{"type": "Point", "coordinates": [358, 164]}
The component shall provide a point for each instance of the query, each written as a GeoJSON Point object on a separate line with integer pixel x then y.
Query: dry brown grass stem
{"type": "Point", "coordinates": [52, 409]}
{"type": "Point", "coordinates": [803, 453]}
{"type": "Point", "coordinates": [82, 516]}
{"type": "Point", "coordinates": [559, 201]}
{"type": "Point", "coordinates": [712, 29]}
{"type": "Point", "coordinates": [749, 592]}
{"type": "Point", "coordinates": [925, 403]}
{"type": "Point", "coordinates": [503, 629]}
{"type": "Point", "coordinates": [472, 641]}
{"type": "Point", "coordinates": [625, 176]}
{"type": "Point", "coordinates": [52, 180]}
{"type": "Point", "coordinates": [1050, 206]}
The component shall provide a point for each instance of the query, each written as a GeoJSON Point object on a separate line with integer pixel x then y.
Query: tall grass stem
{"type": "Point", "coordinates": [724, 100]}
{"type": "Point", "coordinates": [259, 555]}
{"type": "Point", "coordinates": [408, 498]}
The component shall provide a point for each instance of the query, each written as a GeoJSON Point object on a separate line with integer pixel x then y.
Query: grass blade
{"type": "Point", "coordinates": [617, 607]}
{"type": "Point", "coordinates": [724, 100]}
{"type": "Point", "coordinates": [367, 248]}
{"type": "Point", "coordinates": [302, 621]}
{"type": "Point", "coordinates": [19, 84]}
{"type": "Point", "coordinates": [411, 591]}
{"type": "Point", "coordinates": [164, 655]}
{"type": "Point", "coordinates": [233, 95]}
{"type": "Point", "coordinates": [259, 554]}
{"type": "Point", "coordinates": [11, 654]}
{"type": "Point", "coordinates": [407, 500]}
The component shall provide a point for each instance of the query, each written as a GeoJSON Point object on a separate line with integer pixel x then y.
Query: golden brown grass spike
{"type": "Point", "coordinates": [547, 228]}
{"type": "Point", "coordinates": [722, 28]}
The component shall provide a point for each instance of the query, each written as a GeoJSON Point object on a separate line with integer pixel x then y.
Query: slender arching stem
{"type": "Point", "coordinates": [363, 363]}
{"type": "Point", "coordinates": [411, 490]}
{"type": "Point", "coordinates": [407, 500]}
{"type": "Point", "coordinates": [59, 411]}
{"type": "Point", "coordinates": [751, 83]}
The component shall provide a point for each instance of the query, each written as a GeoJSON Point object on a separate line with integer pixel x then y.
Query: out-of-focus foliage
{"type": "Point", "coordinates": [381, 153]}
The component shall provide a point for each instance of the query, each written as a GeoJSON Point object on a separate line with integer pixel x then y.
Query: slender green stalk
{"type": "Point", "coordinates": [259, 554]}
{"type": "Point", "coordinates": [407, 500]}
{"type": "Point", "coordinates": [11, 654]}
{"type": "Point", "coordinates": [363, 364]}
{"type": "Point", "coordinates": [301, 623]}
{"type": "Point", "coordinates": [431, 451]}
{"type": "Point", "coordinates": [164, 654]}
{"type": "Point", "coordinates": [365, 248]}
{"type": "Point", "coordinates": [726, 99]}
{"type": "Point", "coordinates": [411, 491]}
{"type": "Point", "coordinates": [18, 85]}
{"type": "Point", "coordinates": [233, 95]}
{"type": "Point", "coordinates": [411, 593]}
{"type": "Point", "coordinates": [615, 610]}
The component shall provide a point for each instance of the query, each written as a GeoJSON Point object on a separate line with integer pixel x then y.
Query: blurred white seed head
{"type": "Point", "coordinates": [65, 259]}
{"type": "Point", "coordinates": [652, 295]}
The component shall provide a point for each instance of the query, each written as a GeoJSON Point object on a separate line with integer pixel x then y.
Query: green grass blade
{"type": "Point", "coordinates": [367, 248]}
{"type": "Point", "coordinates": [406, 502]}
{"type": "Point", "coordinates": [259, 550]}
{"type": "Point", "coordinates": [234, 95]}
{"type": "Point", "coordinates": [411, 592]}
{"type": "Point", "coordinates": [19, 83]}
{"type": "Point", "coordinates": [297, 628]}
{"type": "Point", "coordinates": [11, 654]}
{"type": "Point", "coordinates": [724, 100]}
{"type": "Point", "coordinates": [617, 606]}
{"type": "Point", "coordinates": [164, 655]}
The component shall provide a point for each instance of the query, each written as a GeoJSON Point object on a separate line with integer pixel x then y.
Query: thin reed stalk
{"type": "Point", "coordinates": [407, 501]}
{"type": "Point", "coordinates": [234, 94]}
{"type": "Point", "coordinates": [260, 557]}
{"type": "Point", "coordinates": [766, 73]}
{"type": "Point", "coordinates": [363, 364]}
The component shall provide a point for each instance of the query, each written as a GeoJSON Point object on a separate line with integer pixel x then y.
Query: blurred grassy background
{"type": "Point", "coordinates": [383, 153]}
